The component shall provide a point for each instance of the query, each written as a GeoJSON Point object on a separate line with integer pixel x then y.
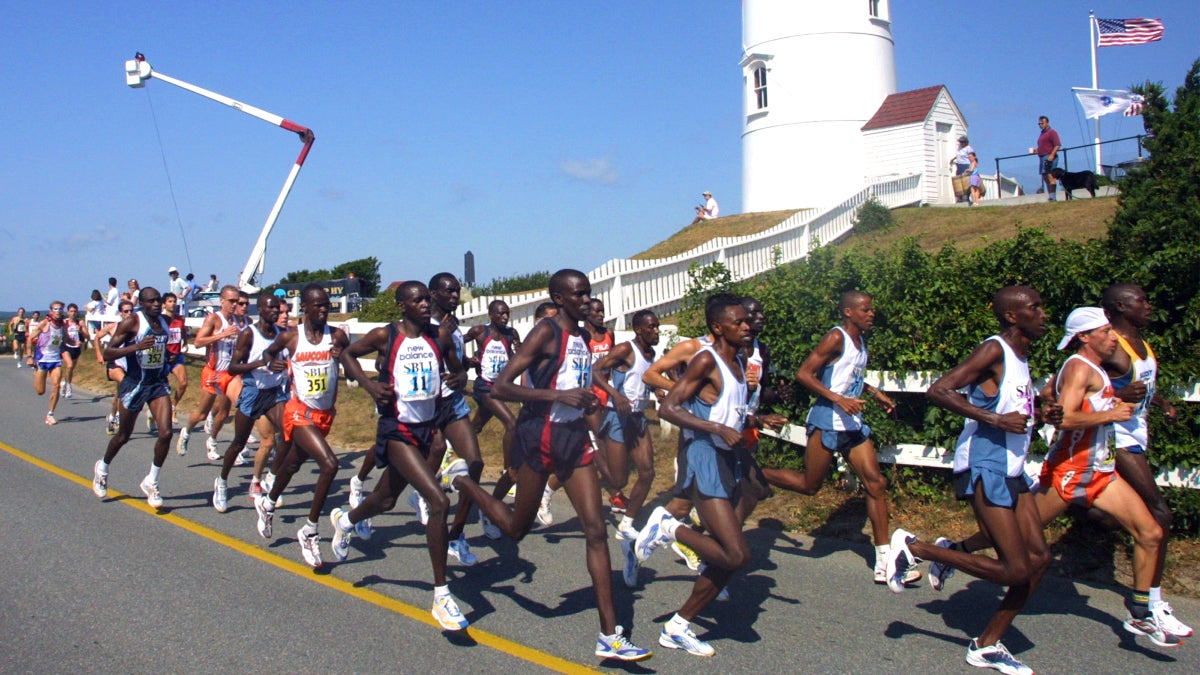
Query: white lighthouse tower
{"type": "Point", "coordinates": [815, 71]}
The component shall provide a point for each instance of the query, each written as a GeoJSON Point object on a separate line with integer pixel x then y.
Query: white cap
{"type": "Point", "coordinates": [172, 270]}
{"type": "Point", "coordinates": [1081, 320]}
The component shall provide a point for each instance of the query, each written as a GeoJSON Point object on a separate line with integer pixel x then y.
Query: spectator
{"type": "Point", "coordinates": [131, 295]}
{"type": "Point", "coordinates": [181, 289]}
{"type": "Point", "coordinates": [93, 307]}
{"type": "Point", "coordinates": [708, 210]}
{"type": "Point", "coordinates": [976, 180]}
{"type": "Point", "coordinates": [1048, 145]}
{"type": "Point", "coordinates": [212, 284]}
{"type": "Point", "coordinates": [112, 298]}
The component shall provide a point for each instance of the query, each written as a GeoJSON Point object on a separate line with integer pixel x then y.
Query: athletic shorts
{"type": "Point", "coordinates": [450, 409]}
{"type": "Point", "coordinates": [552, 447]}
{"type": "Point", "coordinates": [74, 352]}
{"type": "Point", "coordinates": [1075, 486]}
{"type": "Point", "coordinates": [1134, 449]}
{"type": "Point", "coordinates": [841, 441]}
{"type": "Point", "coordinates": [175, 360]}
{"type": "Point", "coordinates": [704, 470]}
{"type": "Point", "coordinates": [48, 365]}
{"type": "Point", "coordinates": [254, 402]}
{"type": "Point", "coordinates": [134, 394]}
{"type": "Point", "coordinates": [215, 381]}
{"type": "Point", "coordinates": [419, 436]}
{"type": "Point", "coordinates": [623, 429]}
{"type": "Point", "coordinates": [480, 389]}
{"type": "Point", "coordinates": [998, 489]}
{"type": "Point", "coordinates": [296, 414]}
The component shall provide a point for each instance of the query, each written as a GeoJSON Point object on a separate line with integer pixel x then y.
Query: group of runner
{"type": "Point", "coordinates": [582, 425]}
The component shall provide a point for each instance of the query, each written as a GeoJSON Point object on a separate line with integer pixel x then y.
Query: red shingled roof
{"type": "Point", "coordinates": [907, 107]}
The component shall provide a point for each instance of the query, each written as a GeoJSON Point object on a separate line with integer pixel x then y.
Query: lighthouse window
{"type": "Point", "coordinates": [877, 9]}
{"type": "Point", "coordinates": [760, 87]}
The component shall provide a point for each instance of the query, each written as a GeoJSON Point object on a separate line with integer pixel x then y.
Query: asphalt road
{"type": "Point", "coordinates": [113, 586]}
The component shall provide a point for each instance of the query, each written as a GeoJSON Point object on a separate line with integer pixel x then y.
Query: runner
{"type": "Point", "coordinates": [314, 349]}
{"type": "Point", "coordinates": [18, 330]}
{"type": "Point", "coordinates": [989, 462]}
{"type": "Point", "coordinates": [552, 438]}
{"type": "Point", "coordinates": [222, 409]}
{"type": "Point", "coordinates": [218, 335]}
{"type": "Point", "coordinates": [140, 340]}
{"type": "Point", "coordinates": [115, 368]}
{"type": "Point", "coordinates": [834, 372]}
{"type": "Point", "coordinates": [75, 333]}
{"type": "Point", "coordinates": [267, 431]}
{"type": "Point", "coordinates": [45, 346]}
{"type": "Point", "coordinates": [176, 357]}
{"type": "Point", "coordinates": [625, 430]}
{"type": "Point", "coordinates": [408, 398]}
{"type": "Point", "coordinates": [494, 346]}
{"type": "Point", "coordinates": [264, 389]}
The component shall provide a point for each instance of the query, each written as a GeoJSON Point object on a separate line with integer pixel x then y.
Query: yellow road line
{"type": "Point", "coordinates": [504, 645]}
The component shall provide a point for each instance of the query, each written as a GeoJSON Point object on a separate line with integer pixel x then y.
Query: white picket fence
{"type": "Point", "coordinates": [627, 286]}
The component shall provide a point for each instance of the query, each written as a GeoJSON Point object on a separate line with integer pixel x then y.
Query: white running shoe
{"type": "Point", "coordinates": [220, 499]}
{"type": "Point", "coordinates": [628, 534]}
{"type": "Point", "coordinates": [996, 657]}
{"type": "Point", "coordinates": [69, 393]}
{"type": "Point", "coordinates": [356, 492]}
{"type": "Point", "coordinates": [341, 538]}
{"type": "Point", "coordinates": [940, 572]}
{"type": "Point", "coordinates": [630, 572]}
{"type": "Point", "coordinates": [686, 641]}
{"type": "Point", "coordinates": [213, 454]}
{"type": "Point", "coordinates": [489, 528]}
{"type": "Point", "coordinates": [153, 498]}
{"type": "Point", "coordinates": [419, 505]}
{"type": "Point", "coordinates": [310, 547]}
{"type": "Point", "coordinates": [243, 459]}
{"type": "Point", "coordinates": [1166, 618]}
{"type": "Point", "coordinates": [181, 444]}
{"type": "Point", "coordinates": [99, 481]}
{"type": "Point", "coordinates": [544, 515]}
{"type": "Point", "coordinates": [456, 468]}
{"type": "Point", "coordinates": [363, 529]}
{"type": "Point", "coordinates": [911, 577]}
{"type": "Point", "coordinates": [50, 421]}
{"type": "Point", "coordinates": [266, 516]}
{"type": "Point", "coordinates": [1151, 628]}
{"type": "Point", "coordinates": [898, 560]}
{"type": "Point", "coordinates": [461, 550]}
{"type": "Point", "coordinates": [617, 646]}
{"type": "Point", "coordinates": [252, 438]}
{"type": "Point", "coordinates": [62, 389]}
{"type": "Point", "coordinates": [268, 482]}
{"type": "Point", "coordinates": [446, 611]}
{"type": "Point", "coordinates": [653, 535]}
{"type": "Point", "coordinates": [150, 426]}
{"type": "Point", "coordinates": [208, 424]}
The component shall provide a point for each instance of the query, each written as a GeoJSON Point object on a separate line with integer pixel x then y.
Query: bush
{"type": "Point", "coordinates": [873, 216]}
{"type": "Point", "coordinates": [514, 284]}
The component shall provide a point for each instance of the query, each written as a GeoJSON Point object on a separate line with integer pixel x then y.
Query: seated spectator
{"type": "Point", "coordinates": [708, 210]}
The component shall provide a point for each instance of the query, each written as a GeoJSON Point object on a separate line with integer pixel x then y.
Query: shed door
{"type": "Point", "coordinates": [946, 147]}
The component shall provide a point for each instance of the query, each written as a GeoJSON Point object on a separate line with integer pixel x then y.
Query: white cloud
{"type": "Point", "coordinates": [99, 234]}
{"type": "Point", "coordinates": [591, 170]}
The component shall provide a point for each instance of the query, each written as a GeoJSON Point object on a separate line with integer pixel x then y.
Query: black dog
{"type": "Point", "coordinates": [1075, 180]}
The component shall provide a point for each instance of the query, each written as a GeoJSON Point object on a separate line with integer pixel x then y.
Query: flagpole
{"type": "Point", "coordinates": [1093, 37]}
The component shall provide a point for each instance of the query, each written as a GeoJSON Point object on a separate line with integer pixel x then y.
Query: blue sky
{"type": "Point", "coordinates": [538, 135]}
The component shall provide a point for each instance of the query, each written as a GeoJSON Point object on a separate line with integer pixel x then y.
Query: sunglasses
{"type": "Point", "coordinates": [126, 311]}
{"type": "Point", "coordinates": [56, 309]}
{"type": "Point", "coordinates": [243, 303]}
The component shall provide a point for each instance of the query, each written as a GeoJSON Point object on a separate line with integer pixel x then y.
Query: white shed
{"type": "Point", "coordinates": [915, 132]}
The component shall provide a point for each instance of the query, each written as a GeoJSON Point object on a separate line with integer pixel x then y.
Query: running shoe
{"type": "Point", "coordinates": [618, 503]}
{"type": "Point", "coordinates": [99, 481]}
{"type": "Point", "coordinates": [1153, 629]}
{"type": "Point", "coordinates": [208, 424]}
{"type": "Point", "coordinates": [153, 498]}
{"type": "Point", "coordinates": [150, 426]}
{"type": "Point", "coordinates": [268, 482]}
{"type": "Point", "coordinates": [69, 393]}
{"type": "Point", "coordinates": [266, 516]}
{"type": "Point", "coordinates": [256, 490]}
{"type": "Point", "coordinates": [356, 492]}
{"type": "Point", "coordinates": [62, 388]}
{"type": "Point", "coordinates": [181, 444]}
{"type": "Point", "coordinates": [685, 640]}
{"type": "Point", "coordinates": [617, 646]}
{"type": "Point", "coordinates": [446, 611]}
{"type": "Point", "coordinates": [630, 572]}
{"type": "Point", "coordinates": [50, 421]}
{"type": "Point", "coordinates": [996, 657]}
{"type": "Point", "coordinates": [456, 468]}
{"type": "Point", "coordinates": [213, 454]}
{"type": "Point", "coordinates": [363, 529]}
{"type": "Point", "coordinates": [252, 438]}
{"type": "Point", "coordinates": [341, 538]}
{"type": "Point", "coordinates": [544, 515]}
{"type": "Point", "coordinates": [940, 572]}
{"type": "Point", "coordinates": [911, 577]}
{"type": "Point", "coordinates": [243, 459]}
{"type": "Point", "coordinates": [419, 505]}
{"type": "Point", "coordinates": [629, 533]}
{"type": "Point", "coordinates": [898, 560]}
{"type": "Point", "coordinates": [1166, 618]}
{"type": "Point", "coordinates": [111, 427]}
{"type": "Point", "coordinates": [689, 556]}
{"type": "Point", "coordinates": [220, 499]}
{"type": "Point", "coordinates": [461, 550]}
{"type": "Point", "coordinates": [489, 528]}
{"type": "Point", "coordinates": [310, 547]}
{"type": "Point", "coordinates": [653, 535]}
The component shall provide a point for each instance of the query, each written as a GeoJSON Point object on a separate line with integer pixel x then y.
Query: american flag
{"type": "Point", "coordinates": [1116, 32]}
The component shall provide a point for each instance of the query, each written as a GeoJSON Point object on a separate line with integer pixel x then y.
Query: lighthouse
{"type": "Point", "coordinates": [814, 72]}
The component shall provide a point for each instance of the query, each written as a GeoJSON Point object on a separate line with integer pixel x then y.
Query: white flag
{"type": "Point", "coordinates": [1097, 102]}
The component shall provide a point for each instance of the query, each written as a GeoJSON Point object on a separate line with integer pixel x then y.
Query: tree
{"type": "Point", "coordinates": [365, 269]}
